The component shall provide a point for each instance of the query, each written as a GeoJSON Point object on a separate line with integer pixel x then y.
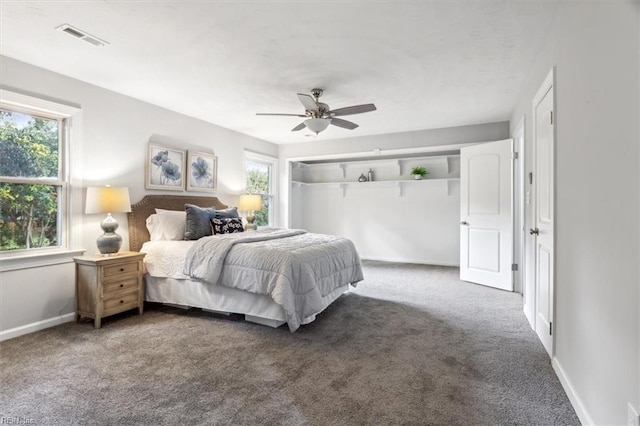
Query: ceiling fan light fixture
{"type": "Point", "coordinates": [318, 115]}
{"type": "Point", "coordinates": [317, 125]}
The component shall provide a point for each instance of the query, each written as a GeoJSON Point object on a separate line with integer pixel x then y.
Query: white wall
{"type": "Point", "coordinates": [115, 133]}
{"type": "Point", "coordinates": [36, 298]}
{"type": "Point", "coordinates": [594, 47]}
{"type": "Point", "coordinates": [415, 139]}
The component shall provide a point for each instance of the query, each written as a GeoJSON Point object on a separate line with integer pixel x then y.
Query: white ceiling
{"type": "Point", "coordinates": [425, 64]}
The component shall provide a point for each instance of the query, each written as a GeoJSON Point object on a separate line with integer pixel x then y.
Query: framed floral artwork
{"type": "Point", "coordinates": [164, 168]}
{"type": "Point", "coordinates": [202, 172]}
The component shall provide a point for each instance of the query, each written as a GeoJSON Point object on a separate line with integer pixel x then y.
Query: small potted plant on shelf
{"type": "Point", "coordinates": [419, 172]}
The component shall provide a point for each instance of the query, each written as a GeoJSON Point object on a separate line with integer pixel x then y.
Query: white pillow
{"type": "Point", "coordinates": [167, 225]}
{"type": "Point", "coordinates": [151, 223]}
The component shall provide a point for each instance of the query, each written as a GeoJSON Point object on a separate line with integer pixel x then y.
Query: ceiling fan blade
{"type": "Point", "coordinates": [308, 102]}
{"type": "Point", "coordinates": [356, 109]}
{"type": "Point", "coordinates": [292, 115]}
{"type": "Point", "coordinates": [343, 123]}
{"type": "Point", "coordinates": [299, 127]}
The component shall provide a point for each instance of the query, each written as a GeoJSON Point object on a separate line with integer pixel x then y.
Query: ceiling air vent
{"type": "Point", "coordinates": [82, 35]}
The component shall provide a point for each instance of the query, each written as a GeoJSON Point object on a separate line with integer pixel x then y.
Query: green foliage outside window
{"type": "Point", "coordinates": [28, 210]}
{"type": "Point", "coordinates": [258, 183]}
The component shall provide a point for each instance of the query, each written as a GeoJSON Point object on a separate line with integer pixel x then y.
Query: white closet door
{"type": "Point", "coordinates": [486, 222]}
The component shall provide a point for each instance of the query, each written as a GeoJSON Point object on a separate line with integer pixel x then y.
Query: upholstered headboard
{"type": "Point", "coordinates": [140, 211]}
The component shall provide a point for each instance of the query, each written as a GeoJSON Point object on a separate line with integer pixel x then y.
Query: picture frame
{"type": "Point", "coordinates": [164, 168]}
{"type": "Point", "coordinates": [202, 172]}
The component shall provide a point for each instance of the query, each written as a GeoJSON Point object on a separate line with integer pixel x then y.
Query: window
{"type": "Point", "coordinates": [261, 172]}
{"type": "Point", "coordinates": [31, 187]}
{"type": "Point", "coordinates": [34, 177]}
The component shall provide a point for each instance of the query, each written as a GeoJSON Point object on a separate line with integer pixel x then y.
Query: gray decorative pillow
{"type": "Point", "coordinates": [228, 213]}
{"type": "Point", "coordinates": [198, 222]}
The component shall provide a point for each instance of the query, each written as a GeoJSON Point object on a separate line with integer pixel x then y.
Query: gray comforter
{"type": "Point", "coordinates": [295, 268]}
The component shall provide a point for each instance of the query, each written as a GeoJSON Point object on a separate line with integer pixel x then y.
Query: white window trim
{"type": "Point", "coordinates": [71, 206]}
{"type": "Point", "coordinates": [273, 190]}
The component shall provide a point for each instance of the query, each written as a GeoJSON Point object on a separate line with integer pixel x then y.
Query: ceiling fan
{"type": "Point", "coordinates": [318, 115]}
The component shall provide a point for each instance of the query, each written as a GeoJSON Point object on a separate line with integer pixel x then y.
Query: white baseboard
{"type": "Point", "coordinates": [416, 261]}
{"type": "Point", "coordinates": [576, 402]}
{"type": "Point", "coordinates": [36, 326]}
{"type": "Point", "coordinates": [529, 315]}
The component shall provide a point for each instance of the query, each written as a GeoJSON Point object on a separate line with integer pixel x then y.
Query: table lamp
{"type": "Point", "coordinates": [250, 203]}
{"type": "Point", "coordinates": [108, 199]}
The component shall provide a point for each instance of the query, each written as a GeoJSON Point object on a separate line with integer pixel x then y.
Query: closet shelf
{"type": "Point", "coordinates": [442, 162]}
{"type": "Point", "coordinates": [399, 184]}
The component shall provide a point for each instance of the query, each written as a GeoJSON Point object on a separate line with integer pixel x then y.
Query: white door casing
{"type": "Point", "coordinates": [522, 199]}
{"type": "Point", "coordinates": [486, 222]}
{"type": "Point", "coordinates": [518, 207]}
{"type": "Point", "coordinates": [543, 232]}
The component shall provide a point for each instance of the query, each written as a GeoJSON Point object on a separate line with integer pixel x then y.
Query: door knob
{"type": "Point", "coordinates": [534, 231]}
{"type": "Point", "coordinates": [464, 223]}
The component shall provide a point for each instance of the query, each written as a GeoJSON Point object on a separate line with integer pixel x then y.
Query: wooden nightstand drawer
{"type": "Point", "coordinates": [124, 285]}
{"type": "Point", "coordinates": [119, 304]}
{"type": "Point", "coordinates": [117, 270]}
{"type": "Point", "coordinates": [108, 285]}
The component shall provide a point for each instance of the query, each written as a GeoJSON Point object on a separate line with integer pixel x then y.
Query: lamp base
{"type": "Point", "coordinates": [109, 243]}
{"type": "Point", "coordinates": [250, 226]}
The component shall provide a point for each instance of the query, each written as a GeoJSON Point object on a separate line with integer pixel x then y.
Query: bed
{"type": "Point", "coordinates": [271, 276]}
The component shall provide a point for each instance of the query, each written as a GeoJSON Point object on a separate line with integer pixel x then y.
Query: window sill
{"type": "Point", "coordinates": [38, 260]}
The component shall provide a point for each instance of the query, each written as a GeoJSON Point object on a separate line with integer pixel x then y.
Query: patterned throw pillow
{"type": "Point", "coordinates": [227, 226]}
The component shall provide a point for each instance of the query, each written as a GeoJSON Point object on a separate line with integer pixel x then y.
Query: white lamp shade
{"type": "Point", "coordinates": [250, 202]}
{"type": "Point", "coordinates": [317, 124]}
{"type": "Point", "coordinates": [107, 199]}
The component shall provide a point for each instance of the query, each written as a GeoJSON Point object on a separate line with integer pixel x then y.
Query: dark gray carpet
{"type": "Point", "coordinates": [411, 345]}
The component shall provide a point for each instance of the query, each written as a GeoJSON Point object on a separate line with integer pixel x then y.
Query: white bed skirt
{"type": "Point", "coordinates": [256, 307]}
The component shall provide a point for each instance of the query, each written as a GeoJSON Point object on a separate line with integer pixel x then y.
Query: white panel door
{"type": "Point", "coordinates": [486, 222]}
{"type": "Point", "coordinates": [543, 217]}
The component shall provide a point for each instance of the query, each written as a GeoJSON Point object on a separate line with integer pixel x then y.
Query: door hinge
{"type": "Point", "coordinates": [551, 328]}
{"type": "Point", "coordinates": [551, 117]}
{"type": "Point", "coordinates": [530, 178]}
{"type": "Point", "coordinates": [514, 266]}
{"type": "Point", "coordinates": [514, 155]}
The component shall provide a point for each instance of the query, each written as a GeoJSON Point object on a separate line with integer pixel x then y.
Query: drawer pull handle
{"type": "Point", "coordinates": [122, 301]}
{"type": "Point", "coordinates": [121, 269]}
{"type": "Point", "coordinates": [121, 285]}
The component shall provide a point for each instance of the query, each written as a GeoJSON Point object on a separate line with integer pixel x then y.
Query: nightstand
{"type": "Point", "coordinates": [108, 285]}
